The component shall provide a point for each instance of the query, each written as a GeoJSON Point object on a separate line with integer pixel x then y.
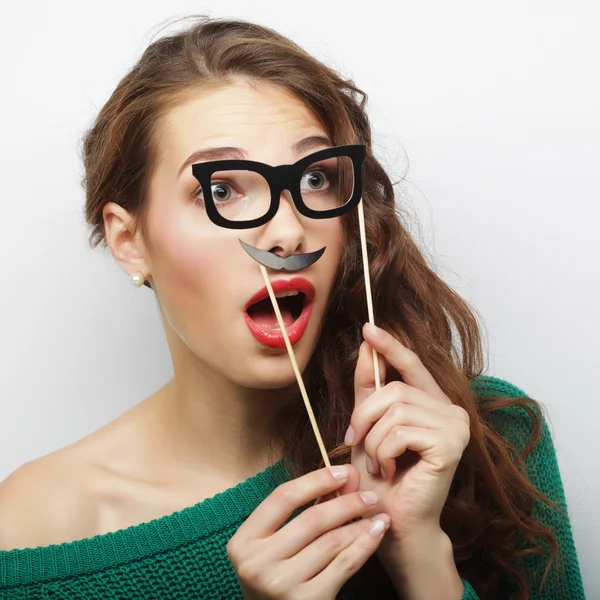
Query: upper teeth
{"type": "Point", "coordinates": [284, 294]}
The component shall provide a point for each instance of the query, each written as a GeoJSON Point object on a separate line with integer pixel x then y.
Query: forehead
{"type": "Point", "coordinates": [260, 118]}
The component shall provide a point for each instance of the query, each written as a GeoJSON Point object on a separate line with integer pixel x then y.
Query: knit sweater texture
{"type": "Point", "coordinates": [182, 556]}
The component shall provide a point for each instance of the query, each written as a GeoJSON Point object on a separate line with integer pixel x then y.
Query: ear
{"type": "Point", "coordinates": [125, 243]}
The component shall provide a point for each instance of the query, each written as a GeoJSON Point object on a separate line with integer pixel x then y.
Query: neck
{"type": "Point", "coordinates": [209, 421]}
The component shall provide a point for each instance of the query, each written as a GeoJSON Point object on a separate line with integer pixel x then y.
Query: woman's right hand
{"type": "Point", "coordinates": [313, 555]}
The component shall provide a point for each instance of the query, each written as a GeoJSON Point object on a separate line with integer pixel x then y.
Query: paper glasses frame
{"type": "Point", "coordinates": [279, 178]}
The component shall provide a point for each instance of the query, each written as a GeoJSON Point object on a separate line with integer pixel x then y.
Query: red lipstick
{"type": "Point", "coordinates": [265, 328]}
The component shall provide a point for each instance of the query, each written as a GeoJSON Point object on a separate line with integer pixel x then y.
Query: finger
{"type": "Point", "coordinates": [347, 562]}
{"type": "Point", "coordinates": [311, 560]}
{"type": "Point", "coordinates": [351, 485]}
{"type": "Point", "coordinates": [435, 447]}
{"type": "Point", "coordinates": [399, 414]}
{"type": "Point", "coordinates": [279, 505]}
{"type": "Point", "coordinates": [380, 401]}
{"type": "Point", "coordinates": [404, 360]}
{"type": "Point", "coordinates": [364, 376]}
{"type": "Point", "coordinates": [317, 520]}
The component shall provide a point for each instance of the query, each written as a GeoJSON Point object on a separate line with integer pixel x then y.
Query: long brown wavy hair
{"type": "Point", "coordinates": [489, 507]}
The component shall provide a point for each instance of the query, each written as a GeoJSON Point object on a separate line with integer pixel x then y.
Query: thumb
{"type": "Point", "coordinates": [364, 374]}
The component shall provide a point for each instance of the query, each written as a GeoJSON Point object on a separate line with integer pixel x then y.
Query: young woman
{"type": "Point", "coordinates": [446, 483]}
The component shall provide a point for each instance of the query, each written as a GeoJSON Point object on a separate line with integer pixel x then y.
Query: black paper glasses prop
{"type": "Point", "coordinates": [243, 194]}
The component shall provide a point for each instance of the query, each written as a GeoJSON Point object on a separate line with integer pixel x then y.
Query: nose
{"type": "Point", "coordinates": [284, 233]}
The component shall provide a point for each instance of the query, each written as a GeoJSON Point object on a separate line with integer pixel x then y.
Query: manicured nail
{"type": "Point", "coordinates": [369, 497]}
{"type": "Point", "coordinates": [350, 435]}
{"type": "Point", "coordinates": [371, 468]}
{"type": "Point", "coordinates": [340, 472]}
{"type": "Point", "coordinates": [380, 523]}
{"type": "Point", "coordinates": [373, 329]}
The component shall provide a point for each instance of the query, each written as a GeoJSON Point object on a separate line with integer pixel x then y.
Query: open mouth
{"type": "Point", "coordinates": [295, 299]}
{"type": "Point", "coordinates": [291, 304]}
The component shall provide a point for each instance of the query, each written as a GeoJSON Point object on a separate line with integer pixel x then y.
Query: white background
{"type": "Point", "coordinates": [496, 108]}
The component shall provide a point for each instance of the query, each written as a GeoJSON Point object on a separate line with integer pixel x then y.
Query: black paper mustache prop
{"type": "Point", "coordinates": [294, 262]}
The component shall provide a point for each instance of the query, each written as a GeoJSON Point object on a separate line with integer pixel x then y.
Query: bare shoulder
{"type": "Point", "coordinates": [42, 500]}
{"type": "Point", "coordinates": [116, 477]}
{"type": "Point", "coordinates": [78, 491]}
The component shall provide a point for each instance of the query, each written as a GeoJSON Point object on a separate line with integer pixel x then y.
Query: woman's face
{"type": "Point", "coordinates": [202, 276]}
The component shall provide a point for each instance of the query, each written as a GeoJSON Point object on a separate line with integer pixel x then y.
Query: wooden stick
{"type": "Point", "coordinates": [295, 366]}
{"type": "Point", "coordinates": [365, 257]}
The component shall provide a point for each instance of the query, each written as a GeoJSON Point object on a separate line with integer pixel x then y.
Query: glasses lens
{"type": "Point", "coordinates": [240, 195]}
{"type": "Point", "coordinates": [328, 184]}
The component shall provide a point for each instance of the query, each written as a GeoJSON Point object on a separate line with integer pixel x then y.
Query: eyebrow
{"type": "Point", "coordinates": [230, 152]}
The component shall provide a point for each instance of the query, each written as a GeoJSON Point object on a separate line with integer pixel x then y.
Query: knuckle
{"type": "Point", "coordinates": [346, 563]}
{"type": "Point", "coordinates": [397, 432]}
{"type": "Point", "coordinates": [462, 414]}
{"type": "Point", "coordinates": [249, 572]}
{"type": "Point", "coordinates": [334, 543]}
{"type": "Point", "coordinates": [237, 550]}
{"type": "Point", "coordinates": [466, 432]}
{"type": "Point", "coordinates": [285, 494]}
{"type": "Point", "coordinates": [232, 549]}
{"type": "Point", "coordinates": [313, 517]}
{"type": "Point", "coordinates": [398, 411]}
{"type": "Point", "coordinates": [396, 387]}
{"type": "Point", "coordinates": [275, 585]}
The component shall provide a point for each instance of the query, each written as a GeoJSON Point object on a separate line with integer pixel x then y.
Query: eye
{"type": "Point", "coordinates": [315, 180]}
{"type": "Point", "coordinates": [221, 192]}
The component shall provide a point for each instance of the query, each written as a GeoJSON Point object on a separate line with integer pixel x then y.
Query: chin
{"type": "Point", "coordinates": [268, 368]}
{"type": "Point", "coordinates": [274, 371]}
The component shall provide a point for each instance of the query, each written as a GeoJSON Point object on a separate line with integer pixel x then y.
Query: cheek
{"type": "Point", "coordinates": [184, 261]}
{"type": "Point", "coordinates": [333, 238]}
{"type": "Point", "coordinates": [188, 258]}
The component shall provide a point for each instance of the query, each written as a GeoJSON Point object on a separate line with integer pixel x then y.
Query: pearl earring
{"type": "Point", "coordinates": [136, 279]}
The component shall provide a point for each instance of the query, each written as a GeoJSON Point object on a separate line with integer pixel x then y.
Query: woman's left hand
{"type": "Point", "coordinates": [413, 432]}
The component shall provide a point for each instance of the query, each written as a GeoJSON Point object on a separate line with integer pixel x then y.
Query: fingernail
{"type": "Point", "coordinates": [382, 472]}
{"type": "Point", "coordinates": [380, 523]}
{"type": "Point", "coordinates": [371, 468]}
{"type": "Point", "coordinates": [373, 329]}
{"type": "Point", "coordinates": [350, 435]}
{"type": "Point", "coordinates": [340, 472]}
{"type": "Point", "coordinates": [369, 497]}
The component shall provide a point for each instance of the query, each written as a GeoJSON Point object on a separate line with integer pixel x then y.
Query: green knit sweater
{"type": "Point", "coordinates": [182, 555]}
